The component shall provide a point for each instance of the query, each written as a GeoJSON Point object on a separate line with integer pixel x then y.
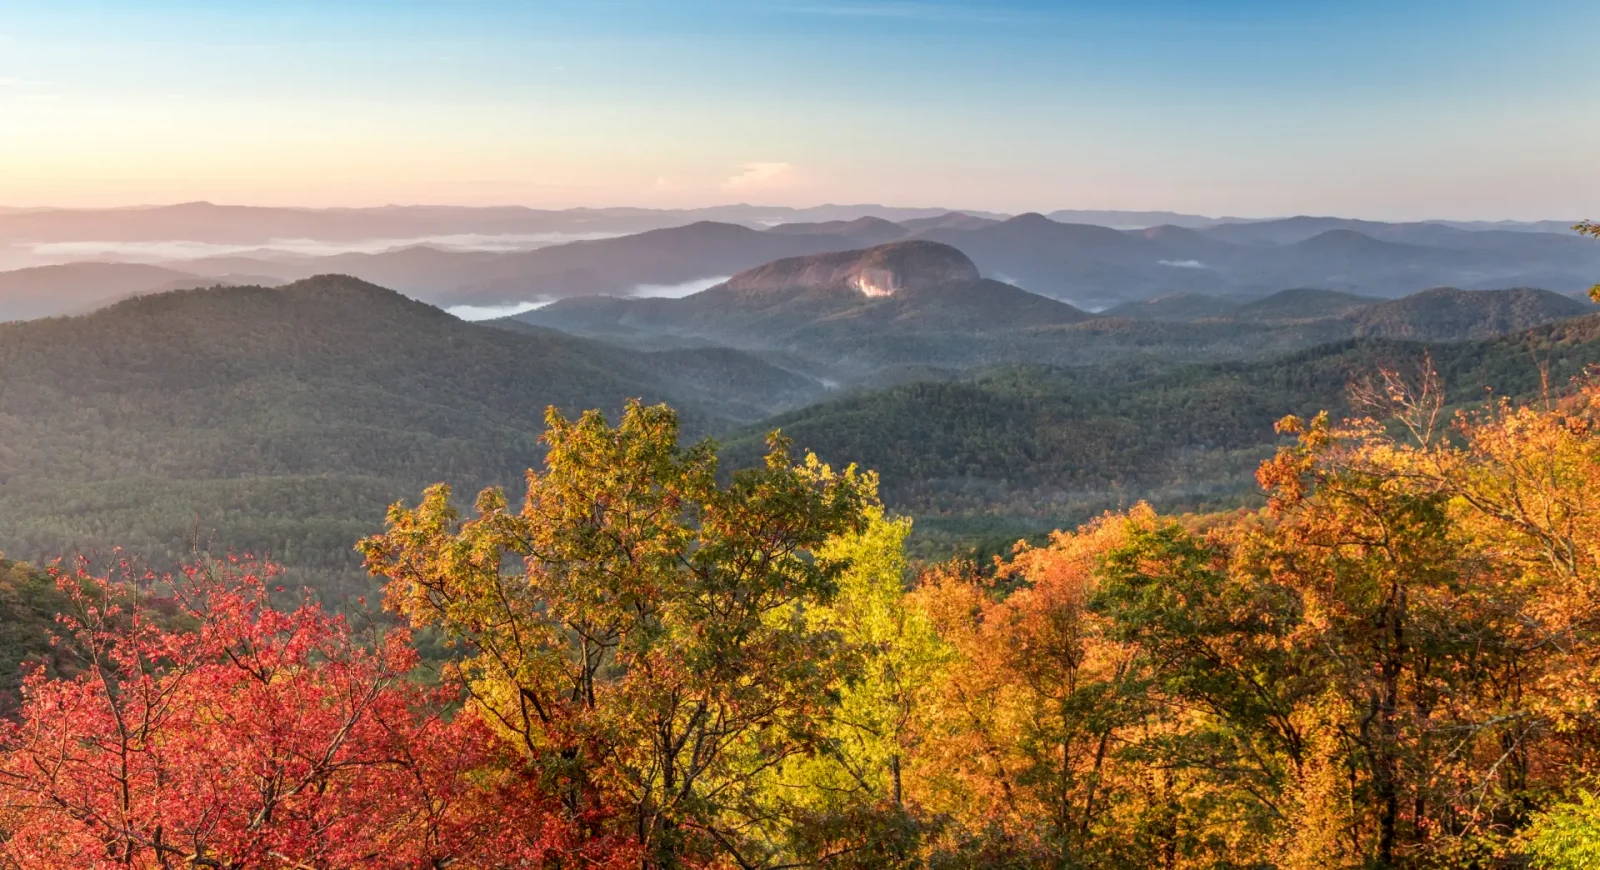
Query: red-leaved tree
{"type": "Point", "coordinates": [220, 732]}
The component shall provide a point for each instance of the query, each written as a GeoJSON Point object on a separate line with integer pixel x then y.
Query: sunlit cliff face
{"type": "Point", "coordinates": [875, 283]}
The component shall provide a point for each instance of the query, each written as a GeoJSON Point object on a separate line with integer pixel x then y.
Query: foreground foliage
{"type": "Point", "coordinates": [1394, 664]}
{"type": "Point", "coordinates": [650, 648]}
{"type": "Point", "coordinates": [208, 729]}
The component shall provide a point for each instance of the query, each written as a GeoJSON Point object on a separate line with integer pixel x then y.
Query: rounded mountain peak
{"type": "Point", "coordinates": [885, 270]}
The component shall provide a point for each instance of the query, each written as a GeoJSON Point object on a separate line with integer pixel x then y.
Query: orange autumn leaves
{"type": "Point", "coordinates": [1020, 736]}
{"type": "Point", "coordinates": [1388, 667]}
{"type": "Point", "coordinates": [1393, 664]}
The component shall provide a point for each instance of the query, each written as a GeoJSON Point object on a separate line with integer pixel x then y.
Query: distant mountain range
{"type": "Point", "coordinates": [850, 315]}
{"type": "Point", "coordinates": [254, 225]}
{"type": "Point", "coordinates": [78, 288]}
{"type": "Point", "coordinates": [234, 224]}
{"type": "Point", "coordinates": [284, 419]}
{"type": "Point", "coordinates": [1087, 265]}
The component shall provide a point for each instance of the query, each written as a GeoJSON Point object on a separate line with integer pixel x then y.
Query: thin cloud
{"type": "Point", "coordinates": [494, 312]}
{"type": "Point", "coordinates": [1183, 264]}
{"type": "Point", "coordinates": [762, 176]}
{"type": "Point", "coordinates": [674, 291]}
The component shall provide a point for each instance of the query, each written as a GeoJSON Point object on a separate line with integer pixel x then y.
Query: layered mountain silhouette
{"type": "Point", "coordinates": [902, 302]}
{"type": "Point", "coordinates": [286, 418]}
{"type": "Point", "coordinates": [1084, 264]}
{"type": "Point", "coordinates": [615, 266]}
{"type": "Point", "coordinates": [853, 314]}
{"type": "Point", "coordinates": [257, 225]}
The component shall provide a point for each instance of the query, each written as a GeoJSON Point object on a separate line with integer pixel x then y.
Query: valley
{"type": "Point", "coordinates": [284, 419]}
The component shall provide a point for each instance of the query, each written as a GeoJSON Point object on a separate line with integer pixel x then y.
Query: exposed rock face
{"type": "Point", "coordinates": [886, 270]}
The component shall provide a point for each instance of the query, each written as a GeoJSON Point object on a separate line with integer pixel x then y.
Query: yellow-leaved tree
{"type": "Point", "coordinates": [642, 631]}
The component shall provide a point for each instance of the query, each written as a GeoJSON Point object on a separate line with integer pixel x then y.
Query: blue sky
{"type": "Point", "coordinates": [1400, 109]}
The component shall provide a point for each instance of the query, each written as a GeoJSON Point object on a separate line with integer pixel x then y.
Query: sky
{"type": "Point", "coordinates": [1389, 109]}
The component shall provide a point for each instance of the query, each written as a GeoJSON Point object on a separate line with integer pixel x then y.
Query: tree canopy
{"type": "Point", "coordinates": [656, 663]}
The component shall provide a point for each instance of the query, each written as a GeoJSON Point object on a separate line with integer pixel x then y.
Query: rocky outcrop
{"type": "Point", "coordinates": [886, 270]}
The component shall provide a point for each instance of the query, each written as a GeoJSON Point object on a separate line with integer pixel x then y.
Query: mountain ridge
{"type": "Point", "coordinates": [1086, 265]}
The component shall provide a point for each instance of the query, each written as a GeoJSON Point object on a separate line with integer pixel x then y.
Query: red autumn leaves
{"type": "Point", "coordinates": [221, 732]}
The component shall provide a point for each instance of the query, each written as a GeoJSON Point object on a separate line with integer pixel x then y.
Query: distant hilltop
{"type": "Point", "coordinates": [885, 270]}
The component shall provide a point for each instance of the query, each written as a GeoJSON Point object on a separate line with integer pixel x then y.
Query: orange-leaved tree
{"type": "Point", "coordinates": [1413, 635]}
{"type": "Point", "coordinates": [1026, 737]}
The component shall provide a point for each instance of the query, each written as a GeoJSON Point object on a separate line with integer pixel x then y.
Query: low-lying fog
{"type": "Point", "coordinates": [639, 291]}
{"type": "Point", "coordinates": [21, 253]}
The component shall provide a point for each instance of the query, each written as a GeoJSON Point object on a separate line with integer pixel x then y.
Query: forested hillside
{"type": "Point", "coordinates": [284, 419]}
{"type": "Point", "coordinates": [1390, 665]}
{"type": "Point", "coordinates": [1064, 443]}
{"type": "Point", "coordinates": [825, 312]}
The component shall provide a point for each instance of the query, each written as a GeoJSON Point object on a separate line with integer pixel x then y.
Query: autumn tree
{"type": "Point", "coordinates": [1414, 635]}
{"type": "Point", "coordinates": [846, 803]}
{"type": "Point", "coordinates": [1522, 483]}
{"type": "Point", "coordinates": [1221, 671]}
{"type": "Point", "coordinates": [1032, 734]}
{"type": "Point", "coordinates": [208, 729]}
{"type": "Point", "coordinates": [639, 630]}
{"type": "Point", "coordinates": [1566, 837]}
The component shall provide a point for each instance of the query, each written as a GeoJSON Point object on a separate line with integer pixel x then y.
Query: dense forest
{"type": "Point", "coordinates": [283, 420]}
{"type": "Point", "coordinates": [653, 664]}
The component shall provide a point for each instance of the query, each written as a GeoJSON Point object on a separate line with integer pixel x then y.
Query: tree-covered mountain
{"type": "Point", "coordinates": [284, 419]}
{"type": "Point", "coordinates": [1064, 443]}
{"type": "Point", "coordinates": [287, 418]}
{"type": "Point", "coordinates": [849, 313]}
{"type": "Point", "coordinates": [853, 315]}
{"type": "Point", "coordinates": [1447, 313]}
{"type": "Point", "coordinates": [1301, 304]}
{"type": "Point", "coordinates": [1439, 314]}
{"type": "Point", "coordinates": [1180, 306]}
{"type": "Point", "coordinates": [1083, 263]}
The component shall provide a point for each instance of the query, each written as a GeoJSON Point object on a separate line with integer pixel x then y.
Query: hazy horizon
{"type": "Point", "coordinates": [6, 207]}
{"type": "Point", "coordinates": [1393, 111]}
